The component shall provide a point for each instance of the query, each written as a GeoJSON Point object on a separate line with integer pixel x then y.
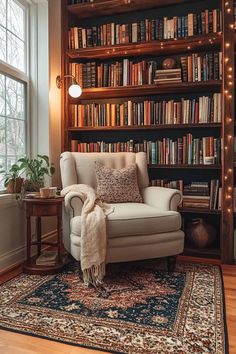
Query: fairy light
{"type": "Point", "coordinates": [227, 45]}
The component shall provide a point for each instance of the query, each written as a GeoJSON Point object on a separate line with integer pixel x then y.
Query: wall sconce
{"type": "Point", "coordinates": [75, 90]}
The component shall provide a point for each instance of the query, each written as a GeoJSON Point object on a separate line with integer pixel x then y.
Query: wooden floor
{"type": "Point", "coordinates": [12, 343]}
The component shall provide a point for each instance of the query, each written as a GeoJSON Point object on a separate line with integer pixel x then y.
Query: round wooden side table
{"type": "Point", "coordinates": [39, 207]}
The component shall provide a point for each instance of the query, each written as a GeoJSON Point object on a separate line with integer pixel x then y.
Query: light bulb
{"type": "Point", "coordinates": [75, 91]}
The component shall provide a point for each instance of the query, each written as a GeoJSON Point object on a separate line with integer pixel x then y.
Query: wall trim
{"type": "Point", "coordinates": [16, 257]}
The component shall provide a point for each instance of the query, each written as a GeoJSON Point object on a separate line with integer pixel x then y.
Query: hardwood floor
{"type": "Point", "coordinates": [12, 343]}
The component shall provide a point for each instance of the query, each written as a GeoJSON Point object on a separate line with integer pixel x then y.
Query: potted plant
{"type": "Point", "coordinates": [12, 180]}
{"type": "Point", "coordinates": [35, 171]}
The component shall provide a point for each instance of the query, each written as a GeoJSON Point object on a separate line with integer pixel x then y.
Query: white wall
{"type": "Point", "coordinates": [46, 130]}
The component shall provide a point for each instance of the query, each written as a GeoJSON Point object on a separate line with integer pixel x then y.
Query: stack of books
{"type": "Point", "coordinates": [167, 76]}
{"type": "Point", "coordinates": [47, 258]}
{"type": "Point", "coordinates": [205, 195]}
{"type": "Point", "coordinates": [199, 195]}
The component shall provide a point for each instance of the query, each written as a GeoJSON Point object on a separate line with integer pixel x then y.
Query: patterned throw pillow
{"type": "Point", "coordinates": [117, 186]}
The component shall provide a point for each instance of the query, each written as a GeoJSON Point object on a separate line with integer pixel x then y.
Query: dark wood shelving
{"type": "Point", "coordinates": [147, 127]}
{"type": "Point", "coordinates": [99, 8]}
{"type": "Point", "coordinates": [199, 211]}
{"type": "Point", "coordinates": [205, 253]}
{"type": "Point", "coordinates": [72, 16]}
{"type": "Point", "coordinates": [164, 47]}
{"type": "Point", "coordinates": [203, 167]}
{"type": "Point", "coordinates": [148, 90]}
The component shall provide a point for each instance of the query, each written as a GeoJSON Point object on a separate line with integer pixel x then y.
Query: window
{"type": "Point", "coordinates": [13, 82]}
{"type": "Point", "coordinates": [13, 34]}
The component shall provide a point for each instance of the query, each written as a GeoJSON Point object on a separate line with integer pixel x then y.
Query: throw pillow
{"type": "Point", "coordinates": [117, 185]}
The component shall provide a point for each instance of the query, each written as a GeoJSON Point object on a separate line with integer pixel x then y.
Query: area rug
{"type": "Point", "coordinates": [140, 309]}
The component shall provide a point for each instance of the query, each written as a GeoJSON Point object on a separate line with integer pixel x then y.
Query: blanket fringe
{"type": "Point", "coordinates": [94, 275]}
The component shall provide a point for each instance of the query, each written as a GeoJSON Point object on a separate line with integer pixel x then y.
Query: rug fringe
{"type": "Point", "coordinates": [94, 275]}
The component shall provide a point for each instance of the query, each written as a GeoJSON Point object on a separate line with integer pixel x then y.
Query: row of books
{"type": "Point", "coordinates": [120, 73]}
{"type": "Point", "coordinates": [195, 68]}
{"type": "Point", "coordinates": [208, 21]}
{"type": "Point", "coordinates": [186, 111]}
{"type": "Point", "coordinates": [202, 67]}
{"type": "Point", "coordinates": [201, 195]}
{"type": "Point", "coordinates": [185, 150]}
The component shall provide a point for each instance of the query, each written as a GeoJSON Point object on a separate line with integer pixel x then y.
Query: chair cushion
{"type": "Point", "coordinates": [117, 185]}
{"type": "Point", "coordinates": [135, 219]}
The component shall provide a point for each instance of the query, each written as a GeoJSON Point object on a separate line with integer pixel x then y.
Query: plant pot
{"type": "Point", "coordinates": [15, 185]}
{"type": "Point", "coordinates": [200, 234]}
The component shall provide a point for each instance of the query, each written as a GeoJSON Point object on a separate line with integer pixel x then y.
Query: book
{"type": "Point", "coordinates": [48, 258]}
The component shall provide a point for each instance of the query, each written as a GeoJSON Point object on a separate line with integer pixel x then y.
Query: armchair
{"type": "Point", "coordinates": [136, 231]}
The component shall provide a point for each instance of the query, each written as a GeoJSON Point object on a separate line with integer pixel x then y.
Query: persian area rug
{"type": "Point", "coordinates": [140, 309]}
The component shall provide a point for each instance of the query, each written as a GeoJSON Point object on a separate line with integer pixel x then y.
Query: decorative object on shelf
{"type": "Point", "coordinates": [169, 63]}
{"type": "Point", "coordinates": [12, 180]}
{"type": "Point", "coordinates": [75, 90]}
{"type": "Point", "coordinates": [35, 171]}
{"type": "Point", "coordinates": [200, 234]}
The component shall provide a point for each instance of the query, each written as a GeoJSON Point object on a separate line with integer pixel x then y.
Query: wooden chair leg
{"type": "Point", "coordinates": [171, 263]}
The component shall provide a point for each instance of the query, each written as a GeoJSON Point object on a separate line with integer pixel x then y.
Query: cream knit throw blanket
{"type": "Point", "coordinates": [93, 233]}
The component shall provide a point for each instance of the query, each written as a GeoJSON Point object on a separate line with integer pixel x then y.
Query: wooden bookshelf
{"type": "Point", "coordinates": [148, 127]}
{"type": "Point", "coordinates": [100, 8]}
{"type": "Point", "coordinates": [80, 15]}
{"type": "Point", "coordinates": [184, 210]}
{"type": "Point", "coordinates": [148, 90]}
{"type": "Point", "coordinates": [153, 48]}
{"type": "Point", "coordinates": [192, 167]}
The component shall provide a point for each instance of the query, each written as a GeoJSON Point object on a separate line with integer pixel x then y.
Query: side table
{"type": "Point", "coordinates": [38, 207]}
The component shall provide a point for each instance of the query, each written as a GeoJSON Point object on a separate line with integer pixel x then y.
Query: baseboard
{"type": "Point", "coordinates": [16, 257]}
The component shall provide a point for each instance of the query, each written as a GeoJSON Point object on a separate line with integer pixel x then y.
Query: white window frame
{"type": "Point", "coordinates": [23, 77]}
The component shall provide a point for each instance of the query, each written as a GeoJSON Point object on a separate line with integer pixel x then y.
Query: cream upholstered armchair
{"type": "Point", "coordinates": [135, 230]}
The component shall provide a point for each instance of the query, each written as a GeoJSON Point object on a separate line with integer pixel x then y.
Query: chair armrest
{"type": "Point", "coordinates": [73, 204]}
{"type": "Point", "coordinates": [162, 198]}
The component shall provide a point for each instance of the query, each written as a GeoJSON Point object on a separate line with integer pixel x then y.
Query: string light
{"type": "Point", "coordinates": [227, 45]}
{"type": "Point", "coordinates": [229, 210]}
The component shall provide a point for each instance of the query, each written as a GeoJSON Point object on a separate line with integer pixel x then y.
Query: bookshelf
{"type": "Point", "coordinates": [99, 12]}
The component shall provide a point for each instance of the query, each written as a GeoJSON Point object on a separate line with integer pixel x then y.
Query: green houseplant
{"type": "Point", "coordinates": [12, 180]}
{"type": "Point", "coordinates": [35, 171]}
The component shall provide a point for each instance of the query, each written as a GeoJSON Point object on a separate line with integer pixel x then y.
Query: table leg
{"type": "Point", "coordinates": [28, 234]}
{"type": "Point", "coordinates": [39, 235]}
{"type": "Point", "coordinates": [59, 250]}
